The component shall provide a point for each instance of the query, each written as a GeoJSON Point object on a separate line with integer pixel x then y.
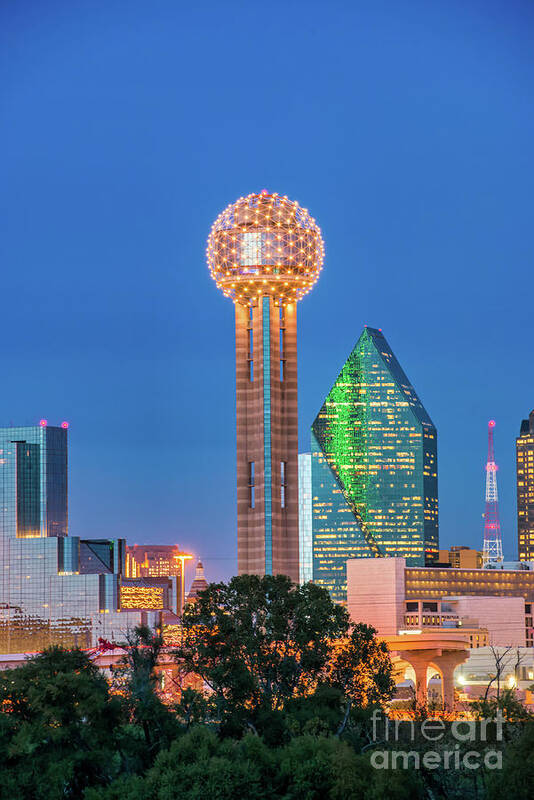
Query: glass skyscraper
{"type": "Point", "coordinates": [33, 483]}
{"type": "Point", "coordinates": [55, 588]}
{"type": "Point", "coordinates": [374, 468]}
{"type": "Point", "coordinates": [525, 489]}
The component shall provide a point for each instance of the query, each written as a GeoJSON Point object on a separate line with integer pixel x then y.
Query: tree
{"type": "Point", "coordinates": [137, 683]}
{"type": "Point", "coordinates": [517, 775]}
{"type": "Point", "coordinates": [59, 727]}
{"type": "Point", "coordinates": [361, 667]}
{"type": "Point", "coordinates": [201, 765]}
{"type": "Point", "coordinates": [258, 642]}
{"type": "Point", "coordinates": [502, 659]}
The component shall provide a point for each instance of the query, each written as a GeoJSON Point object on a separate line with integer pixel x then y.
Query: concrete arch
{"type": "Point", "coordinates": [428, 654]}
{"type": "Point", "coordinates": [434, 694]}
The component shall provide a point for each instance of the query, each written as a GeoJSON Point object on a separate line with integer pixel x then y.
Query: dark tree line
{"type": "Point", "coordinates": [291, 689]}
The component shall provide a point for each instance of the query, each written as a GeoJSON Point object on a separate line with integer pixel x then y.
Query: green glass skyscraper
{"type": "Point", "coordinates": [374, 468]}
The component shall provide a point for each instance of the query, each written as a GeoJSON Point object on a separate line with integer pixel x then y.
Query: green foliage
{"type": "Point", "coordinates": [260, 642]}
{"type": "Point", "coordinates": [290, 716]}
{"type": "Point", "coordinates": [137, 684]}
{"type": "Point", "coordinates": [516, 779]}
{"type": "Point", "coordinates": [59, 727]}
{"type": "Point", "coordinates": [361, 667]}
{"type": "Point", "coordinates": [200, 765]}
{"type": "Point", "coordinates": [510, 708]}
{"type": "Point", "coordinates": [194, 708]}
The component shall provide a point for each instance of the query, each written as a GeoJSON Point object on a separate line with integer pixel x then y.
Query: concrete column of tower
{"type": "Point", "coordinates": [285, 510]}
{"type": "Point", "coordinates": [267, 438]}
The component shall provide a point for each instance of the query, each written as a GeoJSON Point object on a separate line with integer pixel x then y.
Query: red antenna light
{"type": "Point", "coordinates": [43, 423]}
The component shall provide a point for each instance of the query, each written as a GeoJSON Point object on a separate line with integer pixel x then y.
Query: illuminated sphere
{"type": "Point", "coordinates": [265, 244]}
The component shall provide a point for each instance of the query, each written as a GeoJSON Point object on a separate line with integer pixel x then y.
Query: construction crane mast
{"type": "Point", "coordinates": [492, 551]}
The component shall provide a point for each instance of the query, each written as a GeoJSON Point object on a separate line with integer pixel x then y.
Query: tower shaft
{"type": "Point", "coordinates": [267, 438]}
{"type": "Point", "coordinates": [492, 550]}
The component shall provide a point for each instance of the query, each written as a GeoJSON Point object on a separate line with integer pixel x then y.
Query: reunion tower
{"type": "Point", "coordinates": [266, 252]}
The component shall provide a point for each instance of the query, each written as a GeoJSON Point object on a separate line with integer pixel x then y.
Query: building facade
{"type": "Point", "coordinates": [525, 489]}
{"type": "Point", "coordinates": [495, 605]}
{"type": "Point", "coordinates": [265, 252]}
{"type": "Point", "coordinates": [374, 468]}
{"type": "Point", "coordinates": [461, 557]}
{"type": "Point", "coordinates": [33, 485]}
{"type": "Point", "coordinates": [305, 519]}
{"type": "Point", "coordinates": [157, 561]}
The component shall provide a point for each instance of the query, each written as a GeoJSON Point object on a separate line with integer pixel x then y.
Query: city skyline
{"type": "Point", "coordinates": [108, 159]}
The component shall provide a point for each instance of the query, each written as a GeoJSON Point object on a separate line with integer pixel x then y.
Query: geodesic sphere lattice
{"type": "Point", "coordinates": [265, 244]}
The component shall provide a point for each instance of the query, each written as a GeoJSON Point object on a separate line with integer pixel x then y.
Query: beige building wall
{"type": "Point", "coordinates": [375, 593]}
{"type": "Point", "coordinates": [504, 617]}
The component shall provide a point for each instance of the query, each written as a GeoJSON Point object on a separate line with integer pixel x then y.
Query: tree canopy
{"type": "Point", "coordinates": [257, 642]}
{"type": "Point", "coordinates": [60, 727]}
{"type": "Point", "coordinates": [289, 714]}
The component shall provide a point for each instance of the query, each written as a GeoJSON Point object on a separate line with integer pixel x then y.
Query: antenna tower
{"type": "Point", "coordinates": [492, 551]}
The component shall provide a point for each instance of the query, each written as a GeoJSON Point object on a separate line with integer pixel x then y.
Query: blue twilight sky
{"type": "Point", "coordinates": [407, 129]}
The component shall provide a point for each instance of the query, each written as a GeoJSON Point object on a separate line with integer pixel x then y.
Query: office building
{"type": "Point", "coordinates": [392, 597]}
{"type": "Point", "coordinates": [525, 489]}
{"type": "Point", "coordinates": [265, 252]}
{"type": "Point", "coordinates": [461, 557]}
{"type": "Point", "coordinates": [33, 489]}
{"type": "Point", "coordinates": [157, 561]}
{"type": "Point", "coordinates": [374, 468]}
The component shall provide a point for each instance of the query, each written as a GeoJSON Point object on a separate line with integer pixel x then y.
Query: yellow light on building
{"type": "Point", "coordinates": [142, 597]}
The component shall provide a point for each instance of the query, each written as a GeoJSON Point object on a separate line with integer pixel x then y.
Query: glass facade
{"type": "Point", "coordinates": [54, 589]}
{"type": "Point", "coordinates": [432, 582]}
{"type": "Point", "coordinates": [33, 481]}
{"type": "Point", "coordinates": [337, 534]}
{"type": "Point", "coordinates": [374, 468]}
{"type": "Point", "coordinates": [305, 519]}
{"type": "Point", "coordinates": [525, 489]}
